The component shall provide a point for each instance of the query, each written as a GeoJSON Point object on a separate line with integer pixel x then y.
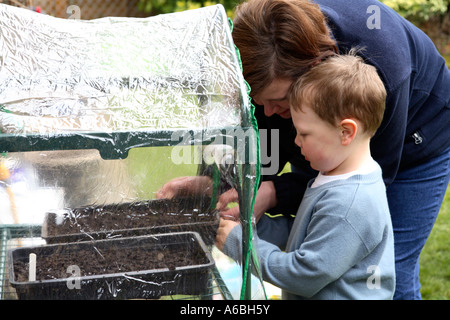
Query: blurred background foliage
{"type": "Point", "coordinates": [419, 10]}
{"type": "Point", "coordinates": [166, 6]}
{"type": "Point", "coordinates": [432, 16]}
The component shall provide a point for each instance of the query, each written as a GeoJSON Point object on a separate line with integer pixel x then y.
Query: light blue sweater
{"type": "Point", "coordinates": [340, 245]}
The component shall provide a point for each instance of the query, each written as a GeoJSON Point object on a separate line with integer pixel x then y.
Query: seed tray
{"type": "Point", "coordinates": [132, 219]}
{"type": "Point", "coordinates": [145, 267]}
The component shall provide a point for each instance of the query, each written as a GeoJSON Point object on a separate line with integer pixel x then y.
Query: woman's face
{"type": "Point", "coordinates": [274, 98]}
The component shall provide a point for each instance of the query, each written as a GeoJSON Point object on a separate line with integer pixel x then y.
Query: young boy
{"type": "Point", "coordinates": [340, 245]}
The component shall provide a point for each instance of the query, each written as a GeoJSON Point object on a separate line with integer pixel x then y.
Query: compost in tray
{"type": "Point", "coordinates": [139, 267]}
{"type": "Point", "coordinates": [131, 219]}
{"type": "Point", "coordinates": [91, 261]}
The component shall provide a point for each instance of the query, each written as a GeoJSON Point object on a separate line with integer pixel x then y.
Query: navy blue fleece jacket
{"type": "Point", "coordinates": [416, 124]}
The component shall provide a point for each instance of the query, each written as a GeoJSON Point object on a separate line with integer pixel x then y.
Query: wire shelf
{"type": "Point", "coordinates": [14, 236]}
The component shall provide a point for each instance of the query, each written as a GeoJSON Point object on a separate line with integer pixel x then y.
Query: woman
{"type": "Point", "coordinates": [280, 39]}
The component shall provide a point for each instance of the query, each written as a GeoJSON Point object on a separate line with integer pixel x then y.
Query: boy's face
{"type": "Point", "coordinates": [319, 141]}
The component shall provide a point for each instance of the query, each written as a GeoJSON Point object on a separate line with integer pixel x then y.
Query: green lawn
{"type": "Point", "coordinates": [435, 257]}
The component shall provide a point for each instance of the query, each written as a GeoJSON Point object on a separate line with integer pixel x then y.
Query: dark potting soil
{"type": "Point", "coordinates": [144, 214]}
{"type": "Point", "coordinates": [112, 260]}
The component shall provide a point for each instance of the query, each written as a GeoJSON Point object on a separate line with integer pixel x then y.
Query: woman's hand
{"type": "Point", "coordinates": [186, 186]}
{"type": "Point", "coordinates": [265, 197]}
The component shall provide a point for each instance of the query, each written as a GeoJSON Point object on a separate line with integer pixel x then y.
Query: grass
{"type": "Point", "coordinates": [146, 164]}
{"type": "Point", "coordinates": [435, 257]}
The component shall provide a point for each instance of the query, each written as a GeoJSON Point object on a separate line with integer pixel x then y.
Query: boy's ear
{"type": "Point", "coordinates": [349, 128]}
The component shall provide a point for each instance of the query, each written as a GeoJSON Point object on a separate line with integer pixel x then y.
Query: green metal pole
{"type": "Point", "coordinates": [246, 230]}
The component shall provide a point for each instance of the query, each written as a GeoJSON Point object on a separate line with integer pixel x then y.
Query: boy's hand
{"type": "Point", "coordinates": [225, 227]}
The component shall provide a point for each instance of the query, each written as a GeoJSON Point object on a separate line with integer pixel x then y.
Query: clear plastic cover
{"type": "Point", "coordinates": [95, 118]}
{"type": "Point", "coordinates": [111, 74]}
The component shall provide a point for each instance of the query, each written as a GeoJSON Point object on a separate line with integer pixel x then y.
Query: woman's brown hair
{"type": "Point", "coordinates": [280, 39]}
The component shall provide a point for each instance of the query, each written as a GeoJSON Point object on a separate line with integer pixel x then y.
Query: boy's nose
{"type": "Point", "coordinates": [297, 142]}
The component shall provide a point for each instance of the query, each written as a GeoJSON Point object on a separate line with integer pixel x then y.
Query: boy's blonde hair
{"type": "Point", "coordinates": [342, 87]}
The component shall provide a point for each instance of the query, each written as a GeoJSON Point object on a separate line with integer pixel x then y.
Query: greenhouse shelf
{"type": "Point", "coordinates": [7, 233]}
{"type": "Point", "coordinates": [216, 286]}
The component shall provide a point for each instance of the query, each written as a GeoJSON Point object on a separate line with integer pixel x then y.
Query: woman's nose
{"type": "Point", "coordinates": [270, 109]}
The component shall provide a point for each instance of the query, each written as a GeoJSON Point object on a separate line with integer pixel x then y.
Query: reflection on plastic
{"type": "Point", "coordinates": [113, 74]}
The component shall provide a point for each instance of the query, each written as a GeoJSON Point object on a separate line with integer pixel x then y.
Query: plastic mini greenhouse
{"type": "Point", "coordinates": [95, 117]}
